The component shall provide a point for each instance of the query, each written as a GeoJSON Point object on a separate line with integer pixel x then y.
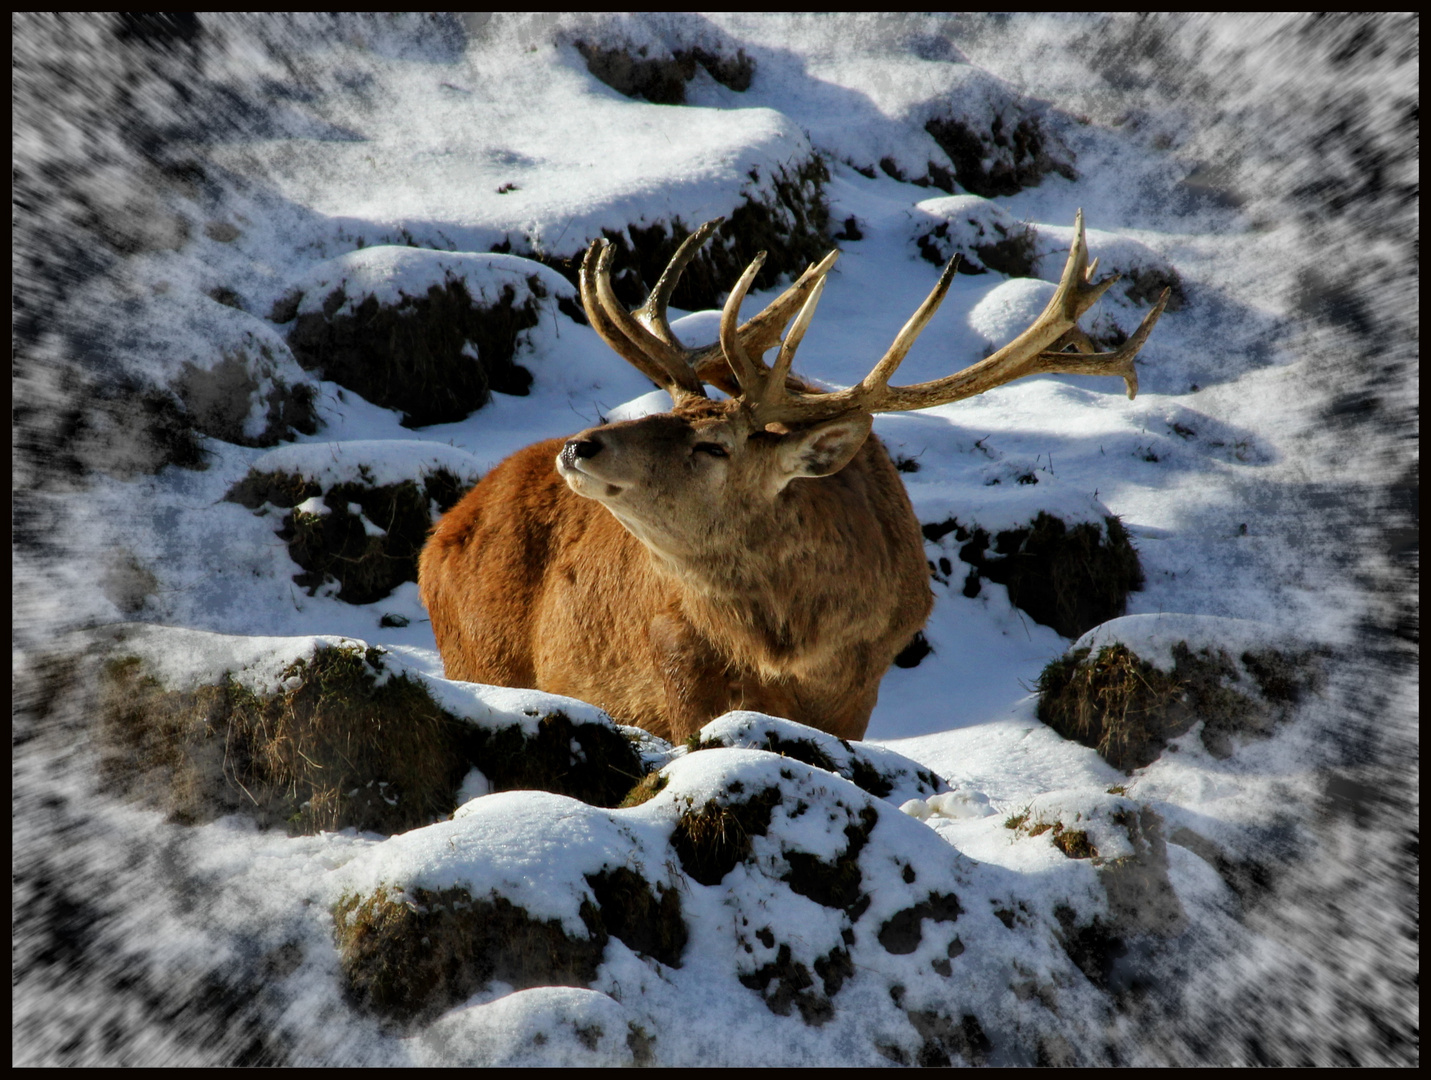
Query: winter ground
{"type": "Point", "coordinates": [1266, 472]}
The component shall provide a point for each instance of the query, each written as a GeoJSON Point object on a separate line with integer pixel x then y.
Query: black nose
{"type": "Point", "coordinates": [580, 448]}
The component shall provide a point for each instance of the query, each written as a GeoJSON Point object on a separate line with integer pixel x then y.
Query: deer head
{"type": "Point", "coordinates": [685, 481]}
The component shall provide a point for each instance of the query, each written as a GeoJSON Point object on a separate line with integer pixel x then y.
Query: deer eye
{"type": "Point", "coordinates": [711, 448]}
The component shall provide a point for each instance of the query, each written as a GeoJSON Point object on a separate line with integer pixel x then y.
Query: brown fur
{"type": "Point", "coordinates": [787, 596]}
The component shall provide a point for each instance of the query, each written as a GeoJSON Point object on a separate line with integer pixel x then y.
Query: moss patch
{"type": "Point", "coordinates": [368, 553]}
{"type": "Point", "coordinates": [1068, 578]}
{"type": "Point", "coordinates": [410, 956]}
{"type": "Point", "coordinates": [337, 750]}
{"type": "Point", "coordinates": [1128, 710]}
{"type": "Point", "coordinates": [416, 356]}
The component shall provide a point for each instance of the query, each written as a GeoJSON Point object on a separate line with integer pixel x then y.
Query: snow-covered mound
{"type": "Point", "coordinates": [1118, 803]}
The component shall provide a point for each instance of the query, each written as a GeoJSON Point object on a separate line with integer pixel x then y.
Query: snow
{"type": "Point", "coordinates": [381, 172]}
{"type": "Point", "coordinates": [378, 462]}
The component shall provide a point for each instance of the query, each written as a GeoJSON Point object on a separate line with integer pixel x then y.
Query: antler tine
{"type": "Point", "coordinates": [1117, 362]}
{"type": "Point", "coordinates": [652, 314]}
{"type": "Point", "coordinates": [761, 332]}
{"type": "Point", "coordinates": [747, 374]}
{"type": "Point", "coordinates": [878, 379]}
{"type": "Point", "coordinates": [676, 374]}
{"type": "Point", "coordinates": [775, 384]}
{"type": "Point", "coordinates": [606, 327]}
{"type": "Point", "coordinates": [1032, 352]}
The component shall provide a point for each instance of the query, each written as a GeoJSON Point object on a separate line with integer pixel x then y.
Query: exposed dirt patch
{"type": "Point", "coordinates": [435, 358]}
{"type": "Point", "coordinates": [590, 762]}
{"type": "Point", "coordinates": [944, 1040]}
{"type": "Point", "coordinates": [834, 884]}
{"type": "Point", "coordinates": [1003, 160]}
{"type": "Point", "coordinates": [407, 957]}
{"type": "Point", "coordinates": [1128, 710]}
{"type": "Point", "coordinates": [1094, 947]}
{"type": "Point", "coordinates": [855, 768]}
{"type": "Point", "coordinates": [346, 744]}
{"type": "Point", "coordinates": [785, 983]}
{"type": "Point", "coordinates": [365, 537]}
{"type": "Point", "coordinates": [662, 81]}
{"type": "Point", "coordinates": [792, 228]}
{"type": "Point", "coordinates": [1069, 578]}
{"type": "Point", "coordinates": [711, 841]}
{"type": "Point", "coordinates": [1010, 250]}
{"type": "Point", "coordinates": [220, 399]}
{"type": "Point", "coordinates": [902, 932]}
{"type": "Point", "coordinates": [647, 922]}
{"type": "Point", "coordinates": [645, 790]}
{"type": "Point", "coordinates": [336, 750]}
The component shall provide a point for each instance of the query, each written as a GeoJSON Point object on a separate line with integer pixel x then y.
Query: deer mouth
{"type": "Point", "coordinates": [582, 479]}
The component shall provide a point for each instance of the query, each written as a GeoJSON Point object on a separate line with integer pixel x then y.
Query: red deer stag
{"type": "Point", "coordinates": [758, 552]}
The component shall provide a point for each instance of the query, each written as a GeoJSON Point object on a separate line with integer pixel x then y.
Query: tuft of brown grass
{"type": "Point", "coordinates": [1115, 702]}
{"type": "Point", "coordinates": [1128, 710]}
{"type": "Point", "coordinates": [335, 750]}
{"type": "Point", "coordinates": [711, 841]}
{"type": "Point", "coordinates": [409, 956]}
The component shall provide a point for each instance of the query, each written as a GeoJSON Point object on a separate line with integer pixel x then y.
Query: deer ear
{"type": "Point", "coordinates": [823, 448]}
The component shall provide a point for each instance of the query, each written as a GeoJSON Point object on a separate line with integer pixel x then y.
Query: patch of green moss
{"type": "Point", "coordinates": [415, 356]}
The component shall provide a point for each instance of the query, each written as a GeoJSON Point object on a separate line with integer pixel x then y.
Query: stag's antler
{"type": "Point", "coordinates": [644, 336]}
{"type": "Point", "coordinates": [1037, 350]}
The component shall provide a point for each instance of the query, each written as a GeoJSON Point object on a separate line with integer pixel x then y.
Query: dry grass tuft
{"type": "Point", "coordinates": [336, 750]}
